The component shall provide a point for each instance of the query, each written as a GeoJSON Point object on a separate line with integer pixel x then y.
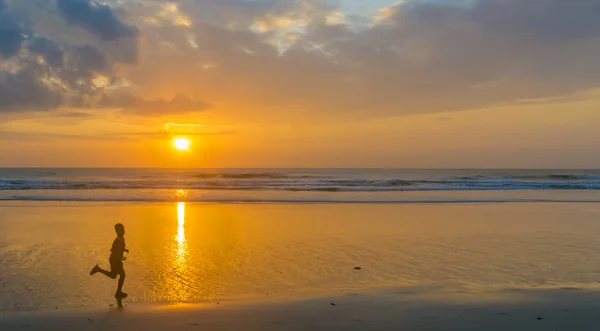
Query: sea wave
{"type": "Point", "coordinates": [552, 177]}
{"type": "Point", "coordinates": [255, 175]}
{"type": "Point", "coordinates": [265, 197]}
{"type": "Point", "coordinates": [285, 182]}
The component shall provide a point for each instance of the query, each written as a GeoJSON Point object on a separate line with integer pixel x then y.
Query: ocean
{"type": "Point", "coordinates": [299, 185]}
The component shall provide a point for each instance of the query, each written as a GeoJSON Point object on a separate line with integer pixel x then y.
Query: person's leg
{"type": "Point", "coordinates": [120, 293]}
{"type": "Point", "coordinates": [107, 273]}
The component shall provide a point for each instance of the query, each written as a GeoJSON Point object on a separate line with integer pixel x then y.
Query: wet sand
{"type": "Point", "coordinates": [525, 310]}
{"type": "Point", "coordinates": [489, 266]}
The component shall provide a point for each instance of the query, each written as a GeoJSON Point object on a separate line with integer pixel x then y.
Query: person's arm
{"type": "Point", "coordinates": [123, 249]}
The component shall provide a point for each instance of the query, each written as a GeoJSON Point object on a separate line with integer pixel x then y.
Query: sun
{"type": "Point", "coordinates": [182, 144]}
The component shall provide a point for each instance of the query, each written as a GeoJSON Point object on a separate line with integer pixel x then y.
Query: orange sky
{"type": "Point", "coordinates": [306, 83]}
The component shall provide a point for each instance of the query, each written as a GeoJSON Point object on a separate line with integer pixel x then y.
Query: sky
{"type": "Point", "coordinates": [300, 83]}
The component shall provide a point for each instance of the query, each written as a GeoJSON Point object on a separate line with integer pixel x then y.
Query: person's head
{"type": "Point", "coordinates": [120, 229]}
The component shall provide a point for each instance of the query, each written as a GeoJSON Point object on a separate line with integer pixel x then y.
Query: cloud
{"type": "Point", "coordinates": [56, 65]}
{"type": "Point", "coordinates": [489, 51]}
{"type": "Point", "coordinates": [23, 91]}
{"type": "Point", "coordinates": [12, 34]}
{"type": "Point", "coordinates": [100, 20]}
{"type": "Point", "coordinates": [96, 18]}
{"type": "Point", "coordinates": [163, 135]}
{"type": "Point", "coordinates": [422, 56]}
{"type": "Point", "coordinates": [549, 20]}
{"type": "Point", "coordinates": [191, 129]}
{"type": "Point", "coordinates": [13, 135]}
{"type": "Point", "coordinates": [89, 59]}
{"type": "Point", "coordinates": [158, 107]}
{"type": "Point", "coordinates": [278, 58]}
{"type": "Point", "coordinates": [45, 136]}
{"type": "Point", "coordinates": [51, 52]}
{"type": "Point", "coordinates": [8, 135]}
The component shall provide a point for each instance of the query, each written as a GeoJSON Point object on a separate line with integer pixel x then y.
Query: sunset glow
{"type": "Point", "coordinates": [265, 152]}
{"type": "Point", "coordinates": [300, 84]}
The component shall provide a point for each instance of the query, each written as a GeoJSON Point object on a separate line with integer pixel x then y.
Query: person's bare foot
{"type": "Point", "coordinates": [121, 295]}
{"type": "Point", "coordinates": [94, 270]}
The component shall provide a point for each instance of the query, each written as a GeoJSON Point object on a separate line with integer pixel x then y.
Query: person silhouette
{"type": "Point", "coordinates": [116, 261]}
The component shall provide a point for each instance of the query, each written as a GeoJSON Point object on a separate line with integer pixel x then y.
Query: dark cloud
{"type": "Point", "coordinates": [89, 59]}
{"type": "Point", "coordinates": [97, 18]}
{"type": "Point", "coordinates": [75, 67]}
{"type": "Point", "coordinates": [12, 35]}
{"type": "Point", "coordinates": [65, 78]}
{"type": "Point", "coordinates": [472, 54]}
{"type": "Point", "coordinates": [51, 52]}
{"type": "Point", "coordinates": [21, 86]}
{"type": "Point", "coordinates": [23, 91]}
{"type": "Point", "coordinates": [70, 63]}
{"type": "Point", "coordinates": [135, 104]}
{"type": "Point", "coordinates": [548, 19]}
{"type": "Point", "coordinates": [534, 20]}
{"type": "Point", "coordinates": [101, 20]}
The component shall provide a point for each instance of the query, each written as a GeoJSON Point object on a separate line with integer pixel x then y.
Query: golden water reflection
{"type": "Point", "coordinates": [200, 255]}
{"type": "Point", "coordinates": [180, 238]}
{"type": "Point", "coordinates": [177, 285]}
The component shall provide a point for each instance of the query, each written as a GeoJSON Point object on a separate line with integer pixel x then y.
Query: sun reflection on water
{"type": "Point", "coordinates": [180, 238]}
{"type": "Point", "coordinates": [178, 284]}
{"type": "Point", "coordinates": [193, 272]}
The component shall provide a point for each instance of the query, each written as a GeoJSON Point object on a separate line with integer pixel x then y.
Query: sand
{"type": "Point", "coordinates": [489, 266]}
{"type": "Point", "coordinates": [524, 310]}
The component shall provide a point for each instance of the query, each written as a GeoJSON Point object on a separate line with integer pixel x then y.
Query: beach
{"type": "Point", "coordinates": [529, 310]}
{"type": "Point", "coordinates": [424, 266]}
{"type": "Point", "coordinates": [318, 165]}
